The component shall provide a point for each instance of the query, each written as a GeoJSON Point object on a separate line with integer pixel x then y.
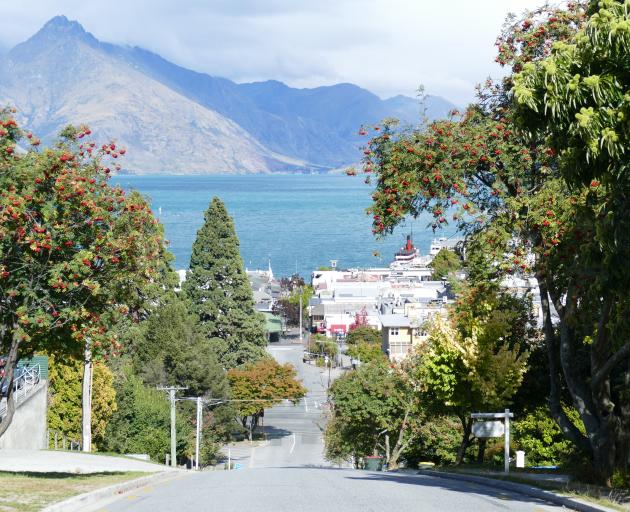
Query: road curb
{"type": "Point", "coordinates": [528, 490]}
{"type": "Point", "coordinates": [81, 501]}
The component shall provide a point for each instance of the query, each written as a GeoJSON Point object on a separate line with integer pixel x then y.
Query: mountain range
{"type": "Point", "coordinates": [178, 121]}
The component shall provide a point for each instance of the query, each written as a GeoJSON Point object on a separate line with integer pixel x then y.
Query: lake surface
{"type": "Point", "coordinates": [299, 222]}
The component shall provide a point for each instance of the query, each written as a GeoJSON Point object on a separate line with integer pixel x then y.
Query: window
{"type": "Point", "coordinates": [393, 331]}
{"type": "Point", "coordinates": [399, 349]}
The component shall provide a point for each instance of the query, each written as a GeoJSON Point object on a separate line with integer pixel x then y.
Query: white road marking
{"type": "Point", "coordinates": [251, 458]}
{"type": "Point", "coordinates": [293, 445]}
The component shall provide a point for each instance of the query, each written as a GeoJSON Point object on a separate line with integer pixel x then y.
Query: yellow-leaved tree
{"type": "Point", "coordinates": [65, 388]}
{"type": "Point", "coordinates": [475, 359]}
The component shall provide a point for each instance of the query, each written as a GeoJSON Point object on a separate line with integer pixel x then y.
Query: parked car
{"type": "Point", "coordinates": [308, 356]}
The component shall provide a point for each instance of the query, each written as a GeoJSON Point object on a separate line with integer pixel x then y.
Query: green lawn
{"type": "Point", "coordinates": [30, 492]}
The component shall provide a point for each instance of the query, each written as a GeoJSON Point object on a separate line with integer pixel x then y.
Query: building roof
{"type": "Point", "coordinates": [260, 296]}
{"type": "Point", "coordinates": [391, 320]}
{"type": "Point", "coordinates": [273, 322]}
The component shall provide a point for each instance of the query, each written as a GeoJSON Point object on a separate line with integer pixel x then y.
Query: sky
{"type": "Point", "coordinates": [387, 46]}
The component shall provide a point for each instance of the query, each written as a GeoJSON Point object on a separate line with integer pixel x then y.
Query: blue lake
{"type": "Point", "coordinates": [299, 222]}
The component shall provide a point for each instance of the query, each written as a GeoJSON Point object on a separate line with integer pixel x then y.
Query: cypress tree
{"type": "Point", "coordinates": [220, 293]}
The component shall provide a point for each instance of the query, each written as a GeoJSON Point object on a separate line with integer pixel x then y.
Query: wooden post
{"type": "Point", "coordinates": [506, 449]}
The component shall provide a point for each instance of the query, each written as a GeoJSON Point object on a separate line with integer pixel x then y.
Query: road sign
{"type": "Point", "coordinates": [488, 429]}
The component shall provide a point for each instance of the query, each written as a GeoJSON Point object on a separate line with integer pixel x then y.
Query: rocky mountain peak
{"type": "Point", "coordinates": [57, 31]}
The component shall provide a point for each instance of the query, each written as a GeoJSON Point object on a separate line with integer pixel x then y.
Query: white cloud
{"type": "Point", "coordinates": [387, 46]}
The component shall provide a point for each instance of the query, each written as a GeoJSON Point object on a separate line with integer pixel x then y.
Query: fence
{"type": "Point", "coordinates": [24, 384]}
{"type": "Point", "coordinates": [60, 441]}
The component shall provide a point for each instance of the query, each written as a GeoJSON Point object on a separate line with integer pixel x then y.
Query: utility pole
{"type": "Point", "coordinates": [199, 420]}
{"type": "Point", "coordinates": [171, 392]}
{"type": "Point", "coordinates": [301, 339]}
{"type": "Point", "coordinates": [506, 444]}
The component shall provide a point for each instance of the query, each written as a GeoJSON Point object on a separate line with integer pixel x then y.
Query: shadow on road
{"type": "Point", "coordinates": [272, 432]}
{"type": "Point", "coordinates": [427, 482]}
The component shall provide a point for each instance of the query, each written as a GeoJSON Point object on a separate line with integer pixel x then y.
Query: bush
{"type": "Point", "coordinates": [539, 436]}
{"type": "Point", "coordinates": [440, 437]}
{"type": "Point", "coordinates": [142, 422]}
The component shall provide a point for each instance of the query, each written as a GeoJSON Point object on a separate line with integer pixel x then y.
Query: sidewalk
{"type": "Point", "coordinates": [548, 490]}
{"type": "Point", "coordinates": [45, 461]}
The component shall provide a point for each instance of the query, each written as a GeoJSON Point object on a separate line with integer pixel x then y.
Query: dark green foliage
{"type": "Point", "coordinates": [438, 440]}
{"type": "Point", "coordinates": [220, 292]}
{"type": "Point", "coordinates": [172, 352]}
{"type": "Point", "coordinates": [364, 334]}
{"type": "Point", "coordinates": [142, 422]}
{"type": "Point", "coordinates": [445, 263]}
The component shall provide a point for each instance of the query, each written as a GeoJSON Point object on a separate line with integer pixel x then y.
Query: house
{"type": "Point", "coordinates": [399, 335]}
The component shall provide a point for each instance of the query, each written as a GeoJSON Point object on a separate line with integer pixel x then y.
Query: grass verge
{"type": "Point", "coordinates": [30, 492]}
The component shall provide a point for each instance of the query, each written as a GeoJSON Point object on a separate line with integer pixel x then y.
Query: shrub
{"type": "Point", "coordinates": [540, 437]}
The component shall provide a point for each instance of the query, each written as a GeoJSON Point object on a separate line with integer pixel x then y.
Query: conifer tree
{"type": "Point", "coordinates": [220, 293]}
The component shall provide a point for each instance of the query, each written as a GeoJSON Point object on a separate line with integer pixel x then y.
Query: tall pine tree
{"type": "Point", "coordinates": [220, 293]}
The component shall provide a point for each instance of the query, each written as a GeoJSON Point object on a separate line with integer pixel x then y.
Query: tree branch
{"type": "Point", "coordinates": [606, 368]}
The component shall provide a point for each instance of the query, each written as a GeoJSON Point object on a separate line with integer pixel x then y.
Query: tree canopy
{"type": "Point", "coordinates": [261, 385]}
{"type": "Point", "coordinates": [74, 251]}
{"type": "Point", "coordinates": [376, 410]}
{"type": "Point", "coordinates": [444, 264]}
{"type": "Point", "coordinates": [576, 99]}
{"type": "Point", "coordinates": [543, 202]}
{"type": "Point", "coordinates": [220, 293]}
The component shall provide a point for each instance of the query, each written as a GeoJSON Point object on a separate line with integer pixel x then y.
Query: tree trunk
{"type": "Point", "coordinates": [8, 378]}
{"type": "Point", "coordinates": [86, 400]}
{"type": "Point", "coordinates": [591, 393]}
{"type": "Point", "coordinates": [567, 427]}
{"type": "Point", "coordinates": [461, 451]}
{"type": "Point", "coordinates": [401, 444]}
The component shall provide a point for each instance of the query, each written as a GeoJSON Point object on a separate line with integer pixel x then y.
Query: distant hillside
{"type": "Point", "coordinates": [174, 120]}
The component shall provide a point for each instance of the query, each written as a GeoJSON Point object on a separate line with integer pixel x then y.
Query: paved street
{"type": "Point", "coordinates": [294, 433]}
{"type": "Point", "coordinates": [288, 473]}
{"type": "Point", "coordinates": [317, 490]}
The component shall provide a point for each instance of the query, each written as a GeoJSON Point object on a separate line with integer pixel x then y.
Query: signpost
{"type": "Point", "coordinates": [495, 428]}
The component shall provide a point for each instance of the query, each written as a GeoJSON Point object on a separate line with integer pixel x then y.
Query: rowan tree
{"type": "Point", "coordinates": [75, 252]}
{"type": "Point", "coordinates": [549, 201]}
{"type": "Point", "coordinates": [220, 293]}
{"type": "Point", "coordinates": [261, 385]}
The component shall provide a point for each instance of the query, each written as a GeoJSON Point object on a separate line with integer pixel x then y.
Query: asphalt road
{"type": "Point", "coordinates": [293, 432]}
{"type": "Point", "coordinates": [288, 473]}
{"type": "Point", "coordinates": [316, 490]}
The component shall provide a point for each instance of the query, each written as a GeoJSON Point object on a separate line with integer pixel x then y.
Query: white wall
{"type": "Point", "coordinates": [28, 428]}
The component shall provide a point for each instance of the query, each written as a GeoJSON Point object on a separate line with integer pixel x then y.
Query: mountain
{"type": "Point", "coordinates": [174, 120]}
